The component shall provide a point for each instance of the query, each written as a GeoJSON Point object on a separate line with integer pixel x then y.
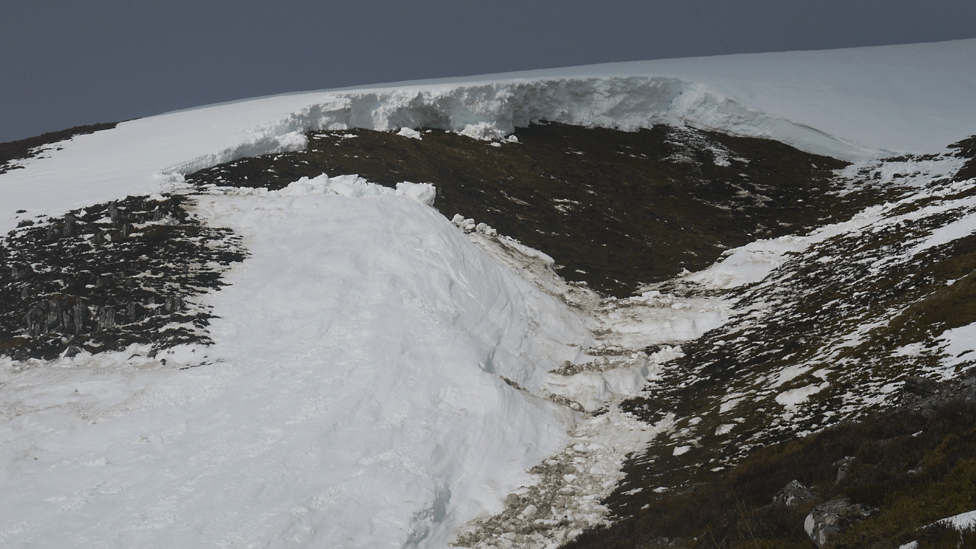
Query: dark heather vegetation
{"type": "Point", "coordinates": [23, 149]}
{"type": "Point", "coordinates": [846, 309]}
{"type": "Point", "coordinates": [103, 277]}
{"type": "Point", "coordinates": [915, 466]}
{"type": "Point", "coordinates": [614, 209]}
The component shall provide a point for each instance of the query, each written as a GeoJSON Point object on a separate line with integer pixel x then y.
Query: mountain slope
{"type": "Point", "coordinates": [250, 352]}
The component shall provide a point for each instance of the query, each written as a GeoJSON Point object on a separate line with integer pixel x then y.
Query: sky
{"type": "Point", "coordinates": [64, 64]}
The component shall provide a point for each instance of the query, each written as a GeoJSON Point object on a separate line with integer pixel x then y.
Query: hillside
{"type": "Point", "coordinates": [614, 306]}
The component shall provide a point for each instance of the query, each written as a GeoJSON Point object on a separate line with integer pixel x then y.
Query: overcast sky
{"type": "Point", "coordinates": [68, 63]}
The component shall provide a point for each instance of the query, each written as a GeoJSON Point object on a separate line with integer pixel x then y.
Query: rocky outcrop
{"type": "Point", "coordinates": [922, 386]}
{"type": "Point", "coordinates": [58, 314]}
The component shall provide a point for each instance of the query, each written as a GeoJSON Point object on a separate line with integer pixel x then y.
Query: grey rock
{"type": "Point", "coordinates": [173, 304]}
{"type": "Point", "coordinates": [18, 272]}
{"type": "Point", "coordinates": [832, 518]}
{"type": "Point", "coordinates": [794, 494]}
{"type": "Point", "coordinates": [32, 320]}
{"type": "Point", "coordinates": [81, 316]}
{"type": "Point", "coordinates": [106, 318]}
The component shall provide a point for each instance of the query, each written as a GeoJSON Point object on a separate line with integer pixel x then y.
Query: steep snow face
{"type": "Point", "coordinates": [354, 395]}
{"type": "Point", "coordinates": [849, 104]}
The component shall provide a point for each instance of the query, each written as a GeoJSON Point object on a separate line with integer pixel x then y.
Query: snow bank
{"type": "Point", "coordinates": [494, 110]}
{"type": "Point", "coordinates": [747, 264]}
{"type": "Point", "coordinates": [958, 347]}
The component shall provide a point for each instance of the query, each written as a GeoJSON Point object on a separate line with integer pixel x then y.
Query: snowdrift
{"type": "Point", "coordinates": [356, 393]}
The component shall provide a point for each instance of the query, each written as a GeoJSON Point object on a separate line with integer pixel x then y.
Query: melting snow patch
{"type": "Point", "coordinates": [910, 350]}
{"type": "Point", "coordinates": [960, 345]}
{"type": "Point", "coordinates": [794, 397]}
{"type": "Point", "coordinates": [747, 264]}
{"type": "Point", "coordinates": [962, 521]}
{"type": "Point", "coordinates": [408, 132]}
{"type": "Point", "coordinates": [789, 374]}
{"type": "Point", "coordinates": [724, 428]}
{"type": "Point", "coordinates": [565, 498]}
{"type": "Point", "coordinates": [730, 401]}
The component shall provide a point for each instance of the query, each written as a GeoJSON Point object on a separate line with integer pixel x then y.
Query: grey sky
{"type": "Point", "coordinates": [67, 63]}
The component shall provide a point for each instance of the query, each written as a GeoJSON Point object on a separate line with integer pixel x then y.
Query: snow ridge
{"type": "Point", "coordinates": [493, 110]}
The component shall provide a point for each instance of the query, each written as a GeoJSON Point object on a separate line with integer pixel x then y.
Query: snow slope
{"type": "Point", "coordinates": [850, 104]}
{"type": "Point", "coordinates": [353, 395]}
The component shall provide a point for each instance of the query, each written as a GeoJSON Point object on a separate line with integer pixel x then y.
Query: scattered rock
{"type": "Point", "coordinates": [663, 541]}
{"type": "Point", "coordinates": [106, 318]}
{"type": "Point", "coordinates": [109, 275]}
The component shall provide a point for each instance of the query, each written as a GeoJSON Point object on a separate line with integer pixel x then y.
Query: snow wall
{"type": "Point", "coordinates": [492, 111]}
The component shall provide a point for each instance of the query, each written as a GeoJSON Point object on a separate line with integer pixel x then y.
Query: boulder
{"type": "Point", "coordinates": [832, 518]}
